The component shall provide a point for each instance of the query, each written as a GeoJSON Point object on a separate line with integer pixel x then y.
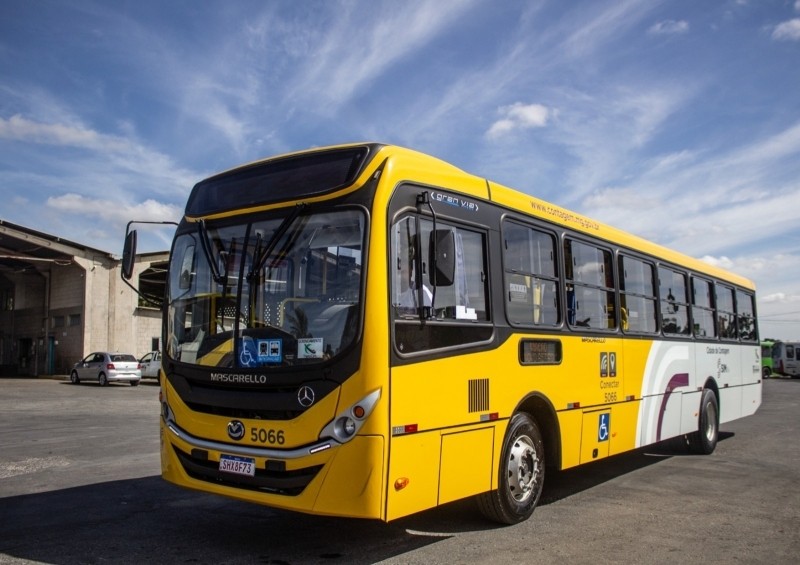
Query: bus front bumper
{"type": "Point", "coordinates": [327, 478]}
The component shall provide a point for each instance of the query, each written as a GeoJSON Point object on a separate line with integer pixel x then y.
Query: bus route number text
{"type": "Point", "coordinates": [262, 435]}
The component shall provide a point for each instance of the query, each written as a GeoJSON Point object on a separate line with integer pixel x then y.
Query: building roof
{"type": "Point", "coordinates": [22, 247]}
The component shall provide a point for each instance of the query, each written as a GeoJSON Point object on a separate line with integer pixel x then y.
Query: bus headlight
{"type": "Point", "coordinates": [346, 427]}
{"type": "Point", "coordinates": [349, 421]}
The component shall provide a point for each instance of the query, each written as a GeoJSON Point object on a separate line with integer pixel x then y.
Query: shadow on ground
{"type": "Point", "coordinates": [149, 520]}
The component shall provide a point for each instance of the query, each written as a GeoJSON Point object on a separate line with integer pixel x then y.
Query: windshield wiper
{"type": "Point", "coordinates": [213, 265]}
{"type": "Point", "coordinates": [261, 253]}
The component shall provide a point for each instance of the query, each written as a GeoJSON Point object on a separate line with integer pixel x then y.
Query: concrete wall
{"type": "Point", "coordinates": [111, 318]}
{"type": "Point", "coordinates": [67, 315]}
{"type": "Point", "coordinates": [147, 324]}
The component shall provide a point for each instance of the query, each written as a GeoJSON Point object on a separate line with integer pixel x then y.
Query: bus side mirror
{"type": "Point", "coordinates": [129, 255]}
{"type": "Point", "coordinates": [442, 251]}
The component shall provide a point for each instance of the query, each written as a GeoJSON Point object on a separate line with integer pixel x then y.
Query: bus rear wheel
{"type": "Point", "coordinates": [521, 474]}
{"type": "Point", "coordinates": [704, 440]}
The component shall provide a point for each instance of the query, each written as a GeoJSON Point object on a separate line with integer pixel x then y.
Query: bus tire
{"type": "Point", "coordinates": [704, 440]}
{"type": "Point", "coordinates": [521, 474]}
{"type": "Point", "coordinates": [766, 372]}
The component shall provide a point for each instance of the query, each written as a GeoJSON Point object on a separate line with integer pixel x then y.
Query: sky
{"type": "Point", "coordinates": [676, 120]}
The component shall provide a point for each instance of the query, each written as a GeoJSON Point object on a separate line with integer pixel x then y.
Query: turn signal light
{"type": "Point", "coordinates": [401, 483]}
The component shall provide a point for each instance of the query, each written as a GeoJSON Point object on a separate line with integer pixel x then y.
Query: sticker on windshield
{"type": "Point", "coordinates": [270, 350]}
{"type": "Point", "coordinates": [309, 348]}
{"type": "Point", "coordinates": [247, 353]}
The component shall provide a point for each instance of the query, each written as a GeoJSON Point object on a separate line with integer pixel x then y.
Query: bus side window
{"type": "Point", "coordinates": [674, 302]}
{"type": "Point", "coordinates": [726, 316]}
{"type": "Point", "coordinates": [465, 298]}
{"type": "Point", "coordinates": [461, 302]}
{"type": "Point", "coordinates": [703, 308]}
{"type": "Point", "coordinates": [531, 284]}
{"type": "Point", "coordinates": [745, 316]}
{"type": "Point", "coordinates": [590, 279]}
{"type": "Point", "coordinates": [403, 276]}
{"type": "Point", "coordinates": [637, 295]}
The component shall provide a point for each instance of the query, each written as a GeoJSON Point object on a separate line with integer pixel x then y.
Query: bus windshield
{"type": "Point", "coordinates": [271, 293]}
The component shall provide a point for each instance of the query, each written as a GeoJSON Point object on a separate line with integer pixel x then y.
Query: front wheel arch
{"type": "Point", "coordinates": [540, 409]}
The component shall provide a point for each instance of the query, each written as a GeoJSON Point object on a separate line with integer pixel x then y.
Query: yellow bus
{"type": "Point", "coordinates": [367, 331]}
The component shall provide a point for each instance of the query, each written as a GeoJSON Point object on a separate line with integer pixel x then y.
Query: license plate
{"type": "Point", "coordinates": [237, 465]}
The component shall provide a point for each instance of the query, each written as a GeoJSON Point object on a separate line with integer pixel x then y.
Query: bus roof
{"type": "Point", "coordinates": [456, 179]}
{"type": "Point", "coordinates": [531, 205]}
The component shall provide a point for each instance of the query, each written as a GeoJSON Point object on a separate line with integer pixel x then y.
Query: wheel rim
{"type": "Point", "coordinates": [711, 422]}
{"type": "Point", "coordinates": [523, 469]}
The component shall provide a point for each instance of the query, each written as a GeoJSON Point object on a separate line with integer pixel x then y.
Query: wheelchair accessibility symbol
{"type": "Point", "coordinates": [603, 426]}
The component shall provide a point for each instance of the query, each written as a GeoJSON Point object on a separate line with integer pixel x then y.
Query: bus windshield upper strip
{"type": "Point", "coordinates": [282, 179]}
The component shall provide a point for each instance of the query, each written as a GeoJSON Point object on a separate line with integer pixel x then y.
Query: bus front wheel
{"type": "Point", "coordinates": [521, 474]}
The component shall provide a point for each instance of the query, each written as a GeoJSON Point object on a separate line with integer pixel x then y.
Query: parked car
{"type": "Point", "coordinates": [107, 367]}
{"type": "Point", "coordinates": [150, 364]}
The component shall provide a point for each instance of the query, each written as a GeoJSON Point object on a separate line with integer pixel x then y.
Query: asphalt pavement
{"type": "Point", "coordinates": [80, 483]}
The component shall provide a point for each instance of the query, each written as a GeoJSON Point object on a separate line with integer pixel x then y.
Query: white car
{"type": "Point", "coordinates": [107, 367]}
{"type": "Point", "coordinates": [150, 364]}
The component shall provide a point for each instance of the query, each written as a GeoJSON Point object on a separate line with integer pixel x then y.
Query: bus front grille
{"type": "Point", "coordinates": [274, 481]}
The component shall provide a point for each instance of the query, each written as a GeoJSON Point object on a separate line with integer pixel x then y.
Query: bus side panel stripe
{"type": "Point", "coordinates": [681, 379]}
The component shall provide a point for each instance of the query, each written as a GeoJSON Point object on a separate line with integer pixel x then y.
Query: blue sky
{"type": "Point", "coordinates": [676, 120]}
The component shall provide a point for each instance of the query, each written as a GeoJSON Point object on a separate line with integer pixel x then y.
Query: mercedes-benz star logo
{"type": "Point", "coordinates": [235, 430]}
{"type": "Point", "coordinates": [305, 396]}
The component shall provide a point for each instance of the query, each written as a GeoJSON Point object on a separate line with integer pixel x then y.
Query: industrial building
{"type": "Point", "coordinates": [60, 300]}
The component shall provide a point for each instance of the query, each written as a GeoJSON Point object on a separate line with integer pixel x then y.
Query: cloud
{"type": "Point", "coordinates": [17, 128]}
{"type": "Point", "coordinates": [329, 58]}
{"type": "Point", "coordinates": [621, 199]}
{"type": "Point", "coordinates": [609, 23]}
{"type": "Point", "coordinates": [669, 27]}
{"type": "Point", "coordinates": [116, 211]}
{"type": "Point", "coordinates": [700, 192]}
{"type": "Point", "coordinates": [113, 216]}
{"type": "Point", "coordinates": [787, 31]}
{"type": "Point", "coordinates": [722, 262]}
{"type": "Point", "coordinates": [106, 155]}
{"type": "Point", "coordinates": [605, 133]}
{"type": "Point", "coordinates": [519, 116]}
